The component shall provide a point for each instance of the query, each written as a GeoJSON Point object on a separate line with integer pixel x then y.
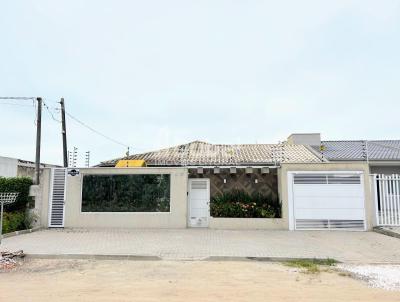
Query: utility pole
{"type": "Point", "coordinates": [38, 138]}
{"type": "Point", "coordinates": [64, 133]}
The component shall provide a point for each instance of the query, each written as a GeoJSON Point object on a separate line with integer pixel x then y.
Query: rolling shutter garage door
{"type": "Point", "coordinates": [328, 201]}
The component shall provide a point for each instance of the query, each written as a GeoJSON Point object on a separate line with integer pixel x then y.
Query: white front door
{"type": "Point", "coordinates": [199, 202]}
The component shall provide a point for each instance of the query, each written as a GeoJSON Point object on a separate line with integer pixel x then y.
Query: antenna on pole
{"type": "Point", "coordinates": [87, 159]}
{"type": "Point", "coordinates": [74, 157]}
{"type": "Point", "coordinates": [69, 158]}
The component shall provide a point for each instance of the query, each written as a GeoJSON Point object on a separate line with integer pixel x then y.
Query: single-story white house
{"type": "Point", "coordinates": [14, 167]}
{"type": "Point", "coordinates": [286, 186]}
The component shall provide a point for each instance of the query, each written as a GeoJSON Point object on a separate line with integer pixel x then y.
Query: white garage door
{"type": "Point", "coordinates": [328, 201]}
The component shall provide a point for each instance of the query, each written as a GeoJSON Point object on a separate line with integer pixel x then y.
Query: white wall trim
{"type": "Point", "coordinates": [290, 200]}
{"type": "Point", "coordinates": [326, 172]}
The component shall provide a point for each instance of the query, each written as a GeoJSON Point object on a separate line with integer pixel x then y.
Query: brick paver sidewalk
{"type": "Point", "coordinates": [362, 247]}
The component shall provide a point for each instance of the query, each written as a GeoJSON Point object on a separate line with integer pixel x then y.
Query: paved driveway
{"type": "Point", "coordinates": [360, 247]}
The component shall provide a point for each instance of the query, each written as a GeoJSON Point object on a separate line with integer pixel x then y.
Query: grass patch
{"type": "Point", "coordinates": [310, 266]}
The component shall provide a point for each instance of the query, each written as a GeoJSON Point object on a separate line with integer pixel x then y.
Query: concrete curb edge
{"type": "Point", "coordinates": [21, 232]}
{"type": "Point", "coordinates": [386, 232]}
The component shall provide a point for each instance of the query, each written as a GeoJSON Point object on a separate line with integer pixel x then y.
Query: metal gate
{"type": "Point", "coordinates": [387, 199]}
{"type": "Point", "coordinates": [57, 197]}
{"type": "Point", "coordinates": [199, 202]}
{"type": "Point", "coordinates": [328, 200]}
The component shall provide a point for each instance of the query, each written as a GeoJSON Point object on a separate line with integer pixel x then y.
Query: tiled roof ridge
{"type": "Point", "coordinates": [198, 152]}
{"type": "Point", "coordinates": [360, 140]}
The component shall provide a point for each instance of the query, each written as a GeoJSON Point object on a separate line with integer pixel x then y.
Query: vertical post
{"type": "Point", "coordinates": [1, 221]}
{"type": "Point", "coordinates": [375, 180]}
{"type": "Point", "coordinates": [397, 181]}
{"type": "Point", "coordinates": [38, 138]}
{"type": "Point", "coordinates": [64, 133]}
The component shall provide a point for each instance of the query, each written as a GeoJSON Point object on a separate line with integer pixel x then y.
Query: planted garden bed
{"type": "Point", "coordinates": [239, 204]}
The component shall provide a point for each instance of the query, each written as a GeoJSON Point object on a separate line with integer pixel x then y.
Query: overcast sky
{"type": "Point", "coordinates": [153, 74]}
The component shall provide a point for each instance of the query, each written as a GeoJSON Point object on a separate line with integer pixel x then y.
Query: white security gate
{"type": "Point", "coordinates": [199, 202]}
{"type": "Point", "coordinates": [57, 197]}
{"type": "Point", "coordinates": [333, 201]}
{"type": "Point", "coordinates": [387, 199]}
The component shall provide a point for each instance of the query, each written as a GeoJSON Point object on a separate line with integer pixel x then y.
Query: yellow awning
{"type": "Point", "coordinates": [130, 163]}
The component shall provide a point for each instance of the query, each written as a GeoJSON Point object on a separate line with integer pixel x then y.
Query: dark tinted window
{"type": "Point", "coordinates": [126, 193]}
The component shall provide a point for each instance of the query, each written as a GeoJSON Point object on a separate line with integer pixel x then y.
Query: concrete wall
{"type": "Point", "coordinates": [267, 184]}
{"type": "Point", "coordinates": [176, 218]}
{"type": "Point", "coordinates": [8, 166]}
{"type": "Point", "coordinates": [41, 196]}
{"type": "Point", "coordinates": [369, 201]}
{"type": "Point", "coordinates": [388, 170]}
{"type": "Point", "coordinates": [248, 223]}
{"type": "Point", "coordinates": [309, 139]}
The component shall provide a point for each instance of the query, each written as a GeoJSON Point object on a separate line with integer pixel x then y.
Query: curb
{"type": "Point", "coordinates": [262, 259]}
{"type": "Point", "coordinates": [93, 257]}
{"type": "Point", "coordinates": [386, 232]}
{"type": "Point", "coordinates": [157, 258]}
{"type": "Point", "coordinates": [21, 232]}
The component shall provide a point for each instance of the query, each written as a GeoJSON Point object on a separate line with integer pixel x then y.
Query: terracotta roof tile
{"type": "Point", "coordinates": [204, 154]}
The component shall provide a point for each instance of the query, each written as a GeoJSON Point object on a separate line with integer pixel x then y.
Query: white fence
{"type": "Point", "coordinates": [387, 199]}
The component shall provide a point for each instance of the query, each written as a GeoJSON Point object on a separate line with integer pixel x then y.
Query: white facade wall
{"type": "Point", "coordinates": [178, 215]}
{"type": "Point", "coordinates": [8, 166]}
{"type": "Point", "coordinates": [75, 218]}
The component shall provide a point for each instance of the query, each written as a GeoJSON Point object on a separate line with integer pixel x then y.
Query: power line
{"type": "Point", "coordinates": [33, 99]}
{"type": "Point", "coordinates": [57, 109]}
{"type": "Point", "coordinates": [50, 113]}
{"type": "Point", "coordinates": [17, 98]}
{"type": "Point", "coordinates": [15, 104]}
{"type": "Point", "coordinates": [95, 131]}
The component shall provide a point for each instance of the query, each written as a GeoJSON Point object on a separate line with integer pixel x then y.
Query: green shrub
{"type": "Point", "coordinates": [15, 221]}
{"type": "Point", "coordinates": [20, 185]}
{"type": "Point", "coordinates": [240, 204]}
{"type": "Point", "coordinates": [126, 193]}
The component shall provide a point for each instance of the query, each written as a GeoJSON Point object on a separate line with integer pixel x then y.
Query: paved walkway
{"type": "Point", "coordinates": [360, 247]}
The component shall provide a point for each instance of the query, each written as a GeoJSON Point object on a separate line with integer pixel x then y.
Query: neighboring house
{"type": "Point", "coordinates": [382, 156]}
{"type": "Point", "coordinates": [14, 167]}
{"type": "Point", "coordinates": [383, 160]}
{"type": "Point", "coordinates": [176, 187]}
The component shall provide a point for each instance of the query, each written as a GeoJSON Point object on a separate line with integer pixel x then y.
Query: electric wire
{"type": "Point", "coordinates": [17, 98]}
{"type": "Point", "coordinates": [48, 109]}
{"type": "Point", "coordinates": [15, 104]}
{"type": "Point", "coordinates": [95, 131]}
{"type": "Point", "coordinates": [50, 113]}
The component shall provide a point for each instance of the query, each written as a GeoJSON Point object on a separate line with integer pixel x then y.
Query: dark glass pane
{"type": "Point", "coordinates": [126, 193]}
